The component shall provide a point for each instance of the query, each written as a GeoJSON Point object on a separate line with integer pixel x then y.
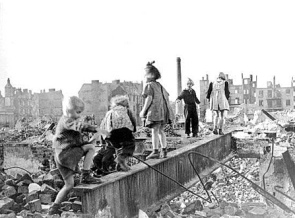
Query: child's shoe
{"type": "Point", "coordinates": [154, 155]}
{"type": "Point", "coordinates": [87, 178]}
{"type": "Point", "coordinates": [220, 132]}
{"type": "Point", "coordinates": [215, 132]}
{"type": "Point", "coordinates": [55, 209]}
{"type": "Point", "coordinates": [163, 153]}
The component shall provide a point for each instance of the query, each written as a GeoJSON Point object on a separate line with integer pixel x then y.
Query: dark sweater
{"type": "Point", "coordinates": [226, 90]}
{"type": "Point", "coordinates": [189, 97]}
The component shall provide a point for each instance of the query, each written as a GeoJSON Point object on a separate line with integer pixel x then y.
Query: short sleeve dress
{"type": "Point", "coordinates": [159, 111]}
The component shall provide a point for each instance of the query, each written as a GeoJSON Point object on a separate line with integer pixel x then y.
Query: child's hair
{"type": "Point", "coordinates": [122, 100]}
{"type": "Point", "coordinates": [153, 70]}
{"type": "Point", "coordinates": [72, 104]}
{"type": "Point", "coordinates": [222, 76]}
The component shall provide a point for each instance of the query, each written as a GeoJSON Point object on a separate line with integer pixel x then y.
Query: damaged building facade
{"type": "Point", "coordinates": [18, 103]}
{"type": "Point", "coordinates": [274, 97]}
{"type": "Point", "coordinates": [97, 95]}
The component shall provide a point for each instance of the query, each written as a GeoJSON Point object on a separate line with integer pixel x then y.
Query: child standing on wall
{"type": "Point", "coordinates": [120, 123]}
{"type": "Point", "coordinates": [70, 148]}
{"type": "Point", "coordinates": [156, 110]}
{"type": "Point", "coordinates": [218, 95]}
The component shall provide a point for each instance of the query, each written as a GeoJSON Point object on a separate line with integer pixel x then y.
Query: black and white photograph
{"type": "Point", "coordinates": [148, 109]}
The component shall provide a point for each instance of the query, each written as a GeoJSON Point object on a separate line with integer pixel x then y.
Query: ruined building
{"type": "Point", "coordinates": [239, 94]}
{"type": "Point", "coordinates": [274, 97]}
{"type": "Point", "coordinates": [97, 95]}
{"type": "Point", "coordinates": [17, 103]}
{"type": "Point", "coordinates": [47, 104]}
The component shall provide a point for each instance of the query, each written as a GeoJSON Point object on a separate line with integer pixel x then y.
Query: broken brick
{"type": "Point", "coordinates": [23, 189]}
{"type": "Point", "coordinates": [45, 198]}
{"type": "Point", "coordinates": [6, 203]}
{"type": "Point", "coordinates": [35, 205]}
{"type": "Point", "coordinates": [46, 189]}
{"type": "Point", "coordinates": [10, 182]}
{"type": "Point", "coordinates": [32, 196]}
{"type": "Point", "coordinates": [9, 190]}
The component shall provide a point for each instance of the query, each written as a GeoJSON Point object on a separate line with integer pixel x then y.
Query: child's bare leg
{"type": "Point", "coordinates": [155, 136]}
{"type": "Point", "coordinates": [90, 149]}
{"type": "Point", "coordinates": [62, 194]}
{"type": "Point", "coordinates": [69, 184]}
{"type": "Point", "coordinates": [162, 136]}
{"type": "Point", "coordinates": [155, 142]}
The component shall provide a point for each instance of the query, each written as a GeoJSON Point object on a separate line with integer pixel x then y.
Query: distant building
{"type": "Point", "coordinates": [48, 104]}
{"type": "Point", "coordinates": [274, 97]}
{"type": "Point", "coordinates": [17, 103]}
{"type": "Point", "coordinates": [97, 95]}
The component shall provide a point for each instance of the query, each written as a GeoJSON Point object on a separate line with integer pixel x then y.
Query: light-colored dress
{"type": "Point", "coordinates": [218, 98]}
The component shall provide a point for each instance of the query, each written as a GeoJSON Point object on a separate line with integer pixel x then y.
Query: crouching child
{"type": "Point", "coordinates": [120, 124]}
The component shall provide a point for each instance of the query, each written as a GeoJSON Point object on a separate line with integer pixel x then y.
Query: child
{"type": "Point", "coordinates": [120, 123]}
{"type": "Point", "coordinates": [70, 148]}
{"type": "Point", "coordinates": [218, 95]}
{"type": "Point", "coordinates": [156, 110]}
{"type": "Point", "coordinates": [190, 110]}
{"type": "Point", "coordinates": [104, 159]}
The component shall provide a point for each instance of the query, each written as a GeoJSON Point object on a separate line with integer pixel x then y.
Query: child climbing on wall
{"type": "Point", "coordinates": [69, 148]}
{"type": "Point", "coordinates": [120, 123]}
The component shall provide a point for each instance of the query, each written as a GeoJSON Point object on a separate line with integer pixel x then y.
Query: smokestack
{"type": "Point", "coordinates": [179, 87]}
{"type": "Point", "coordinates": [274, 81]}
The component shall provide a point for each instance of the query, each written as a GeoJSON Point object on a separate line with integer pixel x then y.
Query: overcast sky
{"type": "Point", "coordinates": [64, 43]}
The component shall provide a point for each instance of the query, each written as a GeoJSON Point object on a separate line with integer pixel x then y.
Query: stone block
{"type": "Point", "coordinates": [23, 189]}
{"type": "Point", "coordinates": [20, 199]}
{"type": "Point", "coordinates": [35, 206]}
{"type": "Point", "coordinates": [46, 189]}
{"type": "Point", "coordinates": [77, 205]}
{"type": "Point", "coordinates": [6, 203]}
{"type": "Point", "coordinates": [45, 198]}
{"type": "Point", "coordinates": [8, 191]}
{"type": "Point", "coordinates": [16, 207]}
{"type": "Point", "coordinates": [10, 182]}
{"type": "Point", "coordinates": [32, 196]}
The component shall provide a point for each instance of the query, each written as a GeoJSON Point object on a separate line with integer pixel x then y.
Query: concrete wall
{"type": "Point", "coordinates": [143, 188]}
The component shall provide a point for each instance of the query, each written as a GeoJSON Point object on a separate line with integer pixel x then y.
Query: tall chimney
{"type": "Point", "coordinates": [179, 106]}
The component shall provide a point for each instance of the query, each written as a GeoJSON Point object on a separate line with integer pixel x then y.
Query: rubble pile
{"type": "Point", "coordinates": [29, 130]}
{"type": "Point", "coordinates": [233, 195]}
{"type": "Point", "coordinates": [146, 132]}
{"type": "Point", "coordinates": [28, 195]}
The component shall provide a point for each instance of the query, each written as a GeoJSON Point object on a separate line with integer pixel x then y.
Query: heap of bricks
{"type": "Point", "coordinates": [30, 196]}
